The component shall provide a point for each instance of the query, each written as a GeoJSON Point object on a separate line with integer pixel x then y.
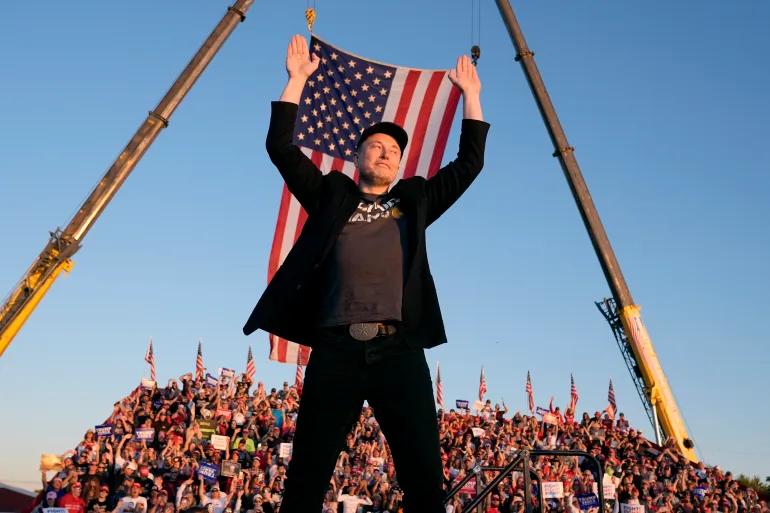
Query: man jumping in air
{"type": "Point", "coordinates": [358, 290]}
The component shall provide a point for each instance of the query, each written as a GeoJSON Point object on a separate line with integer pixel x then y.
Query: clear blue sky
{"type": "Point", "coordinates": [665, 103]}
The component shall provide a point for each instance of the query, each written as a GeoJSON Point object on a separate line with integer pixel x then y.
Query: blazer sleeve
{"type": "Point", "coordinates": [302, 177]}
{"type": "Point", "coordinates": [445, 187]}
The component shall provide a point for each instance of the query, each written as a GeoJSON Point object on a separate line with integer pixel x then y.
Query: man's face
{"type": "Point", "coordinates": [378, 160]}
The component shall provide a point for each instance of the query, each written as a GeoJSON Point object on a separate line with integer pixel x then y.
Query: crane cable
{"type": "Point", "coordinates": [475, 31]}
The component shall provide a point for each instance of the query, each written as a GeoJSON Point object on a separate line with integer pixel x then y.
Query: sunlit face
{"type": "Point", "coordinates": [378, 160]}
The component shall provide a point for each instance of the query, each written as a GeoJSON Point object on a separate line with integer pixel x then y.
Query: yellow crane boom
{"type": "Point", "coordinates": [56, 257]}
{"type": "Point", "coordinates": [626, 322]}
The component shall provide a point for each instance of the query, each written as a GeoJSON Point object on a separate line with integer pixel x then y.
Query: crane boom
{"type": "Point", "coordinates": [63, 244]}
{"type": "Point", "coordinates": [626, 321]}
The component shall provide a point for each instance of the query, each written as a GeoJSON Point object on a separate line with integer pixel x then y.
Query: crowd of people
{"type": "Point", "coordinates": [226, 448]}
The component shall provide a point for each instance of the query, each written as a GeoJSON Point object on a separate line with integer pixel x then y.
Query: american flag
{"type": "Point", "coordinates": [612, 408]}
{"type": "Point", "coordinates": [573, 394]}
{"type": "Point", "coordinates": [298, 374]}
{"type": "Point", "coordinates": [439, 387]}
{"type": "Point", "coordinates": [149, 357]}
{"type": "Point", "coordinates": [199, 363]}
{"type": "Point", "coordinates": [530, 395]}
{"type": "Point", "coordinates": [482, 385]}
{"type": "Point", "coordinates": [250, 369]}
{"type": "Point", "coordinates": [347, 94]}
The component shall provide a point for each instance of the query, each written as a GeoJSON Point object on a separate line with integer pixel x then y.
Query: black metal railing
{"type": "Point", "coordinates": [522, 463]}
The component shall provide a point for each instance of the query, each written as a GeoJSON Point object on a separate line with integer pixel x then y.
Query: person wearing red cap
{"type": "Point", "coordinates": [356, 286]}
{"type": "Point", "coordinates": [134, 501]}
{"type": "Point", "coordinates": [72, 501]}
{"type": "Point", "coordinates": [102, 499]}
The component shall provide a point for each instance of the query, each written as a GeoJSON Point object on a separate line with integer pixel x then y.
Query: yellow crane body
{"type": "Point", "coordinates": [56, 257]}
{"type": "Point", "coordinates": [28, 295]}
{"type": "Point", "coordinates": [630, 333]}
{"type": "Point", "coordinates": [657, 389]}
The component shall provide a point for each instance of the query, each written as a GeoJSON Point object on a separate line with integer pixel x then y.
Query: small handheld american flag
{"type": "Point", "coordinates": [250, 369]}
{"type": "Point", "coordinates": [612, 408]}
{"type": "Point", "coordinates": [530, 395]}
{"type": "Point", "coordinates": [482, 385]}
{"type": "Point", "coordinates": [199, 363]}
{"type": "Point", "coordinates": [573, 395]}
{"type": "Point", "coordinates": [149, 357]}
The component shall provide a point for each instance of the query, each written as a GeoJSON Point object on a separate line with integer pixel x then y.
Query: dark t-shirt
{"type": "Point", "coordinates": [362, 277]}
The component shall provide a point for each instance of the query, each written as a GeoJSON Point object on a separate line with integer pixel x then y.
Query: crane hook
{"type": "Point", "coordinates": [310, 17]}
{"type": "Point", "coordinates": [475, 54]}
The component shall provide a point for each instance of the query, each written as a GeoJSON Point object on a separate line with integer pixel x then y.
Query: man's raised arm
{"type": "Point", "coordinates": [451, 181]}
{"type": "Point", "coordinates": [302, 177]}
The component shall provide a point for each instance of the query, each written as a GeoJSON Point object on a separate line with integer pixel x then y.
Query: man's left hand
{"type": "Point", "coordinates": [464, 76]}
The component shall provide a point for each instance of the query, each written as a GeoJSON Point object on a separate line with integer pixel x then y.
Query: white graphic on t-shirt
{"type": "Point", "coordinates": [368, 212]}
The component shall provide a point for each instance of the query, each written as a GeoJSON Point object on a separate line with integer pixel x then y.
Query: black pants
{"type": "Point", "coordinates": [395, 380]}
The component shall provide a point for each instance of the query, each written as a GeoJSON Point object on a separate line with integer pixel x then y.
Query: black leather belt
{"type": "Point", "coordinates": [364, 331]}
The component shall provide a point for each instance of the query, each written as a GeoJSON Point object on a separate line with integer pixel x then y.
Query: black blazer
{"type": "Point", "coordinates": [286, 306]}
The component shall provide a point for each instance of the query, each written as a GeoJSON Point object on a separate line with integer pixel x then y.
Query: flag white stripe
{"type": "Point", "coordinates": [394, 97]}
{"type": "Point", "coordinates": [349, 169]}
{"type": "Point", "coordinates": [326, 165]}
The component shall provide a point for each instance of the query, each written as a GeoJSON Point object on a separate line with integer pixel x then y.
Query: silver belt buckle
{"type": "Point", "coordinates": [363, 331]}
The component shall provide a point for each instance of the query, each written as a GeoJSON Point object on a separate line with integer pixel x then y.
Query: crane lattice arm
{"type": "Point", "coordinates": [56, 257]}
{"type": "Point", "coordinates": [626, 322]}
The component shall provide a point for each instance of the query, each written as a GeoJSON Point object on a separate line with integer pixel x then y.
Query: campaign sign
{"type": "Point", "coordinates": [469, 487]}
{"type": "Point", "coordinates": [231, 468]}
{"type": "Point", "coordinates": [588, 501]}
{"type": "Point", "coordinates": [211, 380]}
{"type": "Point", "coordinates": [103, 431]}
{"type": "Point", "coordinates": [631, 508]}
{"type": "Point", "coordinates": [208, 428]}
{"type": "Point", "coordinates": [550, 418]}
{"type": "Point", "coordinates": [461, 404]}
{"type": "Point", "coordinates": [542, 411]}
{"type": "Point", "coordinates": [220, 442]}
{"type": "Point", "coordinates": [284, 450]}
{"type": "Point", "coordinates": [228, 373]}
{"type": "Point", "coordinates": [145, 434]}
{"type": "Point", "coordinates": [553, 490]}
{"type": "Point", "coordinates": [208, 471]}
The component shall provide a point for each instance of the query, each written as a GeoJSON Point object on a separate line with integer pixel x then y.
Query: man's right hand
{"type": "Point", "coordinates": [299, 63]}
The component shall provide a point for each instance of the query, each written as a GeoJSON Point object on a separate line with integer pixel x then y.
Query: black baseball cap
{"type": "Point", "coordinates": [387, 128]}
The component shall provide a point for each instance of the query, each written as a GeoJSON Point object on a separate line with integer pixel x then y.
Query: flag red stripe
{"type": "Point", "coordinates": [337, 165]}
{"type": "Point", "coordinates": [280, 232]}
{"type": "Point", "coordinates": [443, 132]}
{"type": "Point", "coordinates": [423, 120]}
{"type": "Point", "coordinates": [406, 97]}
